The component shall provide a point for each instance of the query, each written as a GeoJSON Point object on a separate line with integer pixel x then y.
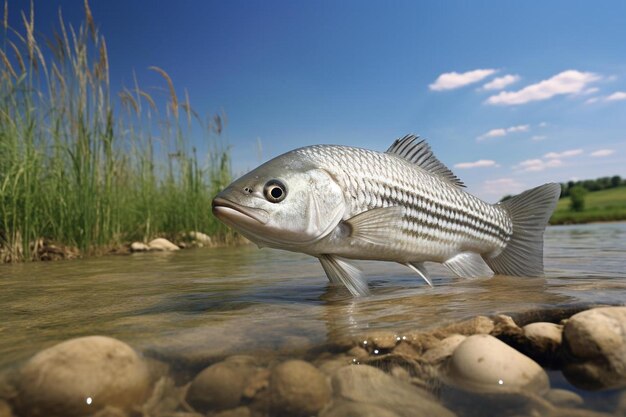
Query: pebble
{"type": "Point", "coordinates": [563, 398]}
{"type": "Point", "coordinates": [220, 386]}
{"type": "Point", "coordinates": [483, 363]}
{"type": "Point", "coordinates": [542, 342]}
{"type": "Point", "coordinates": [421, 342]}
{"type": "Point", "coordinates": [351, 409]}
{"type": "Point", "coordinates": [505, 326]}
{"type": "Point", "coordinates": [381, 339]}
{"type": "Point", "coordinates": [366, 384]}
{"type": "Point", "coordinates": [444, 349]}
{"type": "Point", "coordinates": [139, 247]}
{"type": "Point", "coordinates": [358, 353]}
{"type": "Point", "coordinates": [297, 388]}
{"type": "Point", "coordinates": [81, 376]}
{"type": "Point", "coordinates": [161, 244]}
{"type": "Point", "coordinates": [596, 341]}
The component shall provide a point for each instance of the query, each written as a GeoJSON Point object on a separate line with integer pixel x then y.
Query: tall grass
{"type": "Point", "coordinates": [86, 168]}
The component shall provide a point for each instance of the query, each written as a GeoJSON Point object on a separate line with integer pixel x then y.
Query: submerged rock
{"type": "Point", "coordinates": [444, 349]}
{"type": "Point", "coordinates": [475, 325]}
{"type": "Point", "coordinates": [297, 388]}
{"type": "Point", "coordinates": [161, 244]}
{"type": "Point", "coordinates": [483, 363]}
{"type": "Point", "coordinates": [220, 386]}
{"type": "Point", "coordinates": [80, 377]}
{"type": "Point", "coordinates": [595, 341]}
{"type": "Point", "coordinates": [542, 342]}
{"type": "Point", "coordinates": [366, 384]}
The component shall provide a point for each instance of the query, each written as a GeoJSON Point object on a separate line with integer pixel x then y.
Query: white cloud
{"type": "Point", "coordinates": [589, 91]}
{"type": "Point", "coordinates": [602, 152]}
{"type": "Point", "coordinates": [520, 128]}
{"type": "Point", "coordinates": [494, 133]}
{"type": "Point", "coordinates": [538, 138]}
{"type": "Point", "coordinates": [481, 163]}
{"type": "Point", "coordinates": [502, 186]}
{"type": "Point", "coordinates": [564, 154]}
{"type": "Point", "coordinates": [566, 82]}
{"type": "Point", "coordinates": [452, 80]}
{"type": "Point", "coordinates": [501, 82]}
{"type": "Point", "coordinates": [534, 165]}
{"type": "Point", "coordinates": [616, 96]}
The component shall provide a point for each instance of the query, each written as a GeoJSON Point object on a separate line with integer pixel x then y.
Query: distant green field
{"type": "Point", "coordinates": [605, 205]}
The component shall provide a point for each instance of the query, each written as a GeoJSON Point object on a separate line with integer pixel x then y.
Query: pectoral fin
{"type": "Point", "coordinates": [420, 269]}
{"type": "Point", "coordinates": [469, 265]}
{"type": "Point", "coordinates": [340, 271]}
{"type": "Point", "coordinates": [373, 226]}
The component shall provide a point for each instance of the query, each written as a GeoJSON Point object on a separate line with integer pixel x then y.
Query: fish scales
{"type": "Point", "coordinates": [339, 203]}
{"type": "Point", "coordinates": [440, 220]}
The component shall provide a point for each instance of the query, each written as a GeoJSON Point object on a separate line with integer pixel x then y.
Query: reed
{"type": "Point", "coordinates": [85, 168]}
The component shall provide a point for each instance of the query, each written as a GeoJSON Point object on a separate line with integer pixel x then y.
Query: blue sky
{"type": "Point", "coordinates": [509, 94]}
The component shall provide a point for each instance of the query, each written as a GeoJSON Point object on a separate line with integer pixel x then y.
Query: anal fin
{"type": "Point", "coordinates": [469, 265]}
{"type": "Point", "coordinates": [420, 269]}
{"type": "Point", "coordinates": [340, 271]}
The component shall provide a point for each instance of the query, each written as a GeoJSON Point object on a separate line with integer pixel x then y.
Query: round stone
{"type": "Point", "coordinates": [297, 388]}
{"type": "Point", "coordinates": [596, 342]}
{"type": "Point", "coordinates": [485, 364]}
{"type": "Point", "coordinates": [220, 386]}
{"type": "Point", "coordinates": [80, 377]}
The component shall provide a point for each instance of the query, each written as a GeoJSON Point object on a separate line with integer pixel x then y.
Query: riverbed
{"type": "Point", "coordinates": [194, 305]}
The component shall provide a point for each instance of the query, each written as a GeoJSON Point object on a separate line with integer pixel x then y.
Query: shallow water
{"type": "Point", "coordinates": [201, 303]}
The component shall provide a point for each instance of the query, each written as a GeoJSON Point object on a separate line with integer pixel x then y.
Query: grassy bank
{"type": "Point", "coordinates": [605, 205]}
{"type": "Point", "coordinates": [87, 168]}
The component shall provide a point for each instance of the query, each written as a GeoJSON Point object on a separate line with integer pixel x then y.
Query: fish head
{"type": "Point", "coordinates": [285, 202]}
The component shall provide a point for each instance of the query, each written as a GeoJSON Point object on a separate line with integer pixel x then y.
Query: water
{"type": "Point", "coordinates": [195, 304]}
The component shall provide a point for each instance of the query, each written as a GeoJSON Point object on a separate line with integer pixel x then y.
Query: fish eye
{"type": "Point", "coordinates": [275, 191]}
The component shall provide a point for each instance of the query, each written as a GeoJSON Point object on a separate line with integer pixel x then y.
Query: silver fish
{"type": "Point", "coordinates": [403, 205]}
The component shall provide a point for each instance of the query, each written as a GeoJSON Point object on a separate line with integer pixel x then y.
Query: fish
{"type": "Point", "coordinates": [340, 204]}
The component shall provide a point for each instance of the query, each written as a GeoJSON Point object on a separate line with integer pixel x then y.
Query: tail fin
{"type": "Point", "coordinates": [529, 212]}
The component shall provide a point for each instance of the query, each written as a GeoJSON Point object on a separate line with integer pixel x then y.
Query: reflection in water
{"type": "Point", "coordinates": [200, 303]}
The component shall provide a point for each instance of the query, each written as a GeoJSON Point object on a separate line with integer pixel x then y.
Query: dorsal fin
{"type": "Point", "coordinates": [418, 152]}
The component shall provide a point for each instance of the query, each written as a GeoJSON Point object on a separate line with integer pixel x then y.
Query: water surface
{"type": "Point", "coordinates": [204, 302]}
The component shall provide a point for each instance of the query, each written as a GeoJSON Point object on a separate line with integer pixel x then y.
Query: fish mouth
{"type": "Point", "coordinates": [223, 208]}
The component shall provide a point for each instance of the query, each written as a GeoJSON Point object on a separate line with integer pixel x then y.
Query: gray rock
{"type": "Point", "coordinates": [351, 409]}
{"type": "Point", "coordinates": [161, 244]}
{"type": "Point", "coordinates": [81, 376]}
{"type": "Point", "coordinates": [444, 349]}
{"type": "Point", "coordinates": [564, 398]}
{"type": "Point", "coordinates": [297, 388]}
{"type": "Point", "coordinates": [596, 343]}
{"type": "Point", "coordinates": [220, 386]}
{"type": "Point", "coordinates": [366, 384]}
{"type": "Point", "coordinates": [483, 363]}
{"type": "Point", "coordinates": [139, 247]}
